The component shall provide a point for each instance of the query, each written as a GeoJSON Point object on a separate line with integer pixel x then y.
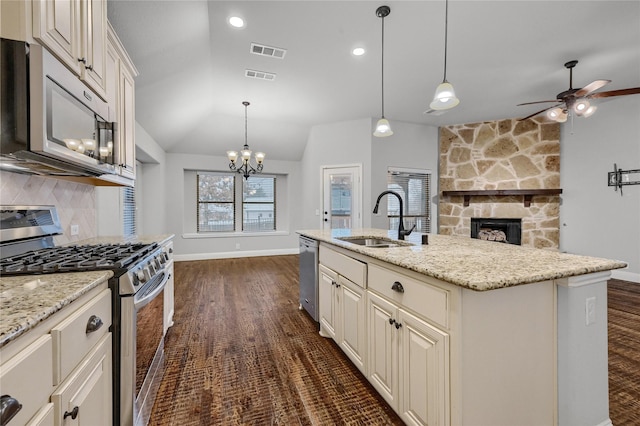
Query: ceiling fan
{"type": "Point", "coordinates": [577, 100]}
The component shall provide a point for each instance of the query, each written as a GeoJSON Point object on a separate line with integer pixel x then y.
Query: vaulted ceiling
{"type": "Point", "coordinates": [500, 53]}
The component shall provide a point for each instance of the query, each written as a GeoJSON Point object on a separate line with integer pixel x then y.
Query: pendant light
{"type": "Point", "coordinates": [383, 128]}
{"type": "Point", "coordinates": [245, 155]}
{"type": "Point", "coordinates": [445, 96]}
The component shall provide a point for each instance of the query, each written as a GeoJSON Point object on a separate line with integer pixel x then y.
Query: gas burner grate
{"type": "Point", "coordinates": [76, 258]}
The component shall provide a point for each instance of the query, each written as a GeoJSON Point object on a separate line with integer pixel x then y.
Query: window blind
{"type": "Point", "coordinates": [414, 187]}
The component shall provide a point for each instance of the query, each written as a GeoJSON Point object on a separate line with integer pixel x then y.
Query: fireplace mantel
{"type": "Point", "coordinates": [527, 193]}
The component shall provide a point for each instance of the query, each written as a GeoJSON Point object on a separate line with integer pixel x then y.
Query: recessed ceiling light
{"type": "Point", "coordinates": [236, 22]}
{"type": "Point", "coordinates": [358, 51]}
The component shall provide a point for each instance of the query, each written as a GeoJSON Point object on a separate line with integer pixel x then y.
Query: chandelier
{"type": "Point", "coordinates": [246, 168]}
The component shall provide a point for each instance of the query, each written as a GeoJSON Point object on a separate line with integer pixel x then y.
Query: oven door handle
{"type": "Point", "coordinates": [150, 291]}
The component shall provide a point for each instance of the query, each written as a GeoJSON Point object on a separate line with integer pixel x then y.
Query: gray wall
{"type": "Point", "coordinates": [596, 220]}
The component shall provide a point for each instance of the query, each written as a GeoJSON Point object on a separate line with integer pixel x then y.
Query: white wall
{"type": "Point", "coordinates": [596, 220]}
{"type": "Point", "coordinates": [413, 146]}
{"type": "Point", "coordinates": [346, 142]}
{"type": "Point", "coordinates": [151, 198]}
{"type": "Point", "coordinates": [180, 211]}
{"type": "Point", "coordinates": [350, 142]}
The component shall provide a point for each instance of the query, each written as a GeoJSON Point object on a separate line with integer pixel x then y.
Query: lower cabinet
{"type": "Point", "coordinates": [343, 314]}
{"type": "Point", "coordinates": [60, 372]}
{"type": "Point", "coordinates": [85, 397]}
{"type": "Point", "coordinates": [408, 363]}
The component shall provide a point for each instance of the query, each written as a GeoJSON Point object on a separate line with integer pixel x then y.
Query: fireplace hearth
{"type": "Point", "coordinates": [500, 230]}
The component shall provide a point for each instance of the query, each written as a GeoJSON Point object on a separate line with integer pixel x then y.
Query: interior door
{"type": "Point", "coordinates": [341, 199]}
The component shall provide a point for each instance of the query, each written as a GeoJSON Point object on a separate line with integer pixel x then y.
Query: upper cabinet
{"type": "Point", "coordinates": [120, 94]}
{"type": "Point", "coordinates": [76, 32]}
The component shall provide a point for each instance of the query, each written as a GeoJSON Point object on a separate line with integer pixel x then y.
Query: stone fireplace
{"type": "Point", "coordinates": [506, 169]}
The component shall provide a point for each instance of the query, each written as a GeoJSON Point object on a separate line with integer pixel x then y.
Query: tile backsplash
{"type": "Point", "coordinates": [75, 202]}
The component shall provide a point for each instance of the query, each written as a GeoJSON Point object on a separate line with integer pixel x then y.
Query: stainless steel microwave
{"type": "Point", "coordinates": [52, 123]}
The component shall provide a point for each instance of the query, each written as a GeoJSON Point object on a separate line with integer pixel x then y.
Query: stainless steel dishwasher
{"type": "Point", "coordinates": [309, 276]}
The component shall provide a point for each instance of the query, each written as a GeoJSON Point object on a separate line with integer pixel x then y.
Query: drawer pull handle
{"type": "Point", "coordinates": [73, 414]}
{"type": "Point", "coordinates": [93, 324]}
{"type": "Point", "coordinates": [397, 286]}
{"type": "Point", "coordinates": [9, 407]}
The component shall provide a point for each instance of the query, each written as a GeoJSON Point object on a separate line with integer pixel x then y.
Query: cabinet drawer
{"type": "Point", "coordinates": [72, 338]}
{"type": "Point", "coordinates": [352, 269]}
{"type": "Point", "coordinates": [44, 417]}
{"type": "Point", "coordinates": [18, 375]}
{"type": "Point", "coordinates": [422, 298]}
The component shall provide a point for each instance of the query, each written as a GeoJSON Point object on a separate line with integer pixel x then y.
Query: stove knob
{"type": "Point", "coordinates": [140, 276]}
{"type": "Point", "coordinates": [148, 273]}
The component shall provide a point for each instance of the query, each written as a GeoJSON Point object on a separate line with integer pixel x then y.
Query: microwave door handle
{"type": "Point", "coordinates": [157, 288]}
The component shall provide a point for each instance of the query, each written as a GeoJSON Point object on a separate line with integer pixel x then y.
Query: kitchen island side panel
{"type": "Point", "coordinates": [507, 356]}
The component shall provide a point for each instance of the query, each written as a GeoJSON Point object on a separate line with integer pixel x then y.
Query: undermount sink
{"type": "Point", "coordinates": [374, 242]}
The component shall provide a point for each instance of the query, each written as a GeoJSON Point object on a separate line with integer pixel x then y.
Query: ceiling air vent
{"type": "Point", "coordinates": [260, 75]}
{"type": "Point", "coordinates": [273, 52]}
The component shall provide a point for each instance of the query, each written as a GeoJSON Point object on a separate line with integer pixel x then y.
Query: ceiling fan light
{"type": "Point", "coordinates": [554, 113]}
{"type": "Point", "coordinates": [589, 111]}
{"type": "Point", "coordinates": [383, 128]}
{"type": "Point", "coordinates": [562, 117]}
{"type": "Point", "coordinates": [445, 97]}
{"type": "Point", "coordinates": [581, 106]}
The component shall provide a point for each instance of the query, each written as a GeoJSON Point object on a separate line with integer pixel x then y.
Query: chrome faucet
{"type": "Point", "coordinates": [401, 230]}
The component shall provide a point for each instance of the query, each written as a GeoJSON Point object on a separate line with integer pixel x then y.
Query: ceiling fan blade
{"type": "Point", "coordinates": [621, 92]}
{"type": "Point", "coordinates": [539, 112]}
{"type": "Point", "coordinates": [537, 102]}
{"type": "Point", "coordinates": [591, 87]}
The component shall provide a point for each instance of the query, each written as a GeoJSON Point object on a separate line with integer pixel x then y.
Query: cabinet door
{"type": "Point", "coordinates": [94, 45]}
{"type": "Point", "coordinates": [424, 366]}
{"type": "Point", "coordinates": [383, 348]}
{"type": "Point", "coordinates": [328, 280]}
{"type": "Point", "coordinates": [353, 316]}
{"type": "Point", "coordinates": [127, 159]}
{"type": "Point", "coordinates": [86, 395]}
{"type": "Point", "coordinates": [56, 23]}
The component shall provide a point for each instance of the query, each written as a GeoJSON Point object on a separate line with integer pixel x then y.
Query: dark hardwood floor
{"type": "Point", "coordinates": [241, 353]}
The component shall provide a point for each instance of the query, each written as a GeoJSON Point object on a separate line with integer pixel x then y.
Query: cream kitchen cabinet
{"type": "Point", "coordinates": [408, 363]}
{"type": "Point", "coordinates": [120, 95]}
{"type": "Point", "coordinates": [76, 32]}
{"type": "Point", "coordinates": [343, 305]}
{"type": "Point", "coordinates": [85, 397]}
{"type": "Point", "coordinates": [64, 362]}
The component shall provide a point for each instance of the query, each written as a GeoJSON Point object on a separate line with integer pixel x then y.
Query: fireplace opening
{"type": "Point", "coordinates": [500, 230]}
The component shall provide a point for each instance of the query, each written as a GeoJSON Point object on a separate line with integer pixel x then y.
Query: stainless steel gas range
{"type": "Point", "coordinates": [140, 274]}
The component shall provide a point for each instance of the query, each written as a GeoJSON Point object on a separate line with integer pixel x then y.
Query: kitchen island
{"type": "Point", "coordinates": [468, 332]}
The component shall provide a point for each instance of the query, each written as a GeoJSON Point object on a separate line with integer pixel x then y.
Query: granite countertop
{"type": "Point", "coordinates": [27, 300]}
{"type": "Point", "coordinates": [469, 262]}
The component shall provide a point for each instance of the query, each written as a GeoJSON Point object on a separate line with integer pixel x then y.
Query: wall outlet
{"type": "Point", "coordinates": [590, 310]}
{"type": "Point", "coordinates": [75, 229]}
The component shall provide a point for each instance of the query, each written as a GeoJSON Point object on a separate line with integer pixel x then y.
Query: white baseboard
{"type": "Point", "coordinates": [621, 274]}
{"type": "Point", "coordinates": [234, 254]}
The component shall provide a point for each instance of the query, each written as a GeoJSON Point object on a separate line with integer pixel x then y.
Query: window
{"type": "Point", "coordinates": [414, 186]}
{"type": "Point", "coordinates": [216, 202]}
{"type": "Point", "coordinates": [258, 204]}
{"type": "Point", "coordinates": [129, 211]}
{"type": "Point", "coordinates": [227, 199]}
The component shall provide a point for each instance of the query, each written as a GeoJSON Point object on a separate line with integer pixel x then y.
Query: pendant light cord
{"type": "Point", "coordinates": [382, 66]}
{"type": "Point", "coordinates": [446, 24]}
{"type": "Point", "coordinates": [246, 104]}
